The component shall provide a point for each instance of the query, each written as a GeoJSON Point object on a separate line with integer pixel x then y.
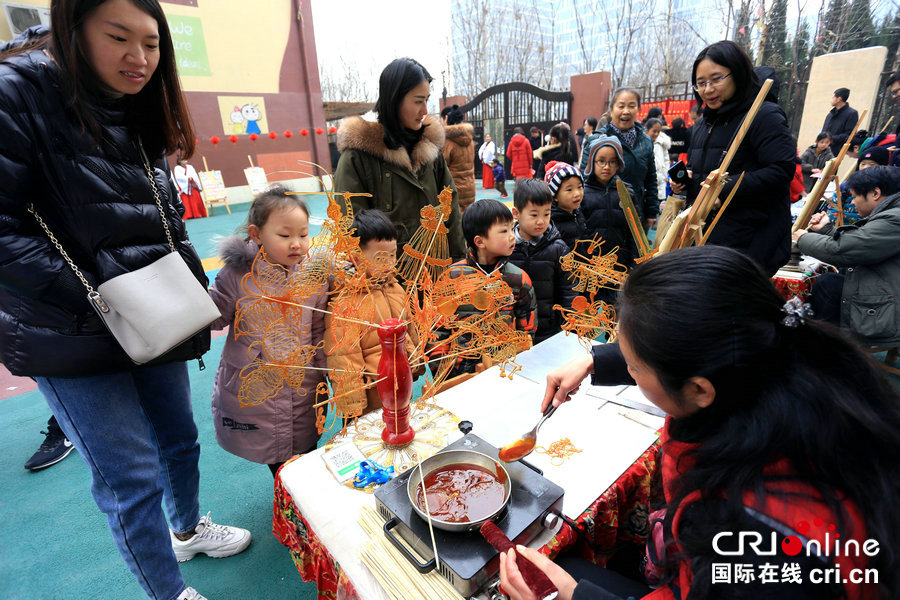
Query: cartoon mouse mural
{"type": "Point", "coordinates": [250, 113]}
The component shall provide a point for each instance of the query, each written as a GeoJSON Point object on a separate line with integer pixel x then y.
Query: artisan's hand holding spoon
{"type": "Point", "coordinates": [523, 446]}
{"type": "Point", "coordinates": [561, 384]}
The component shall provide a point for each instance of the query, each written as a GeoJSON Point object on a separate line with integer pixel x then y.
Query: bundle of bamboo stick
{"type": "Point", "coordinates": [394, 572]}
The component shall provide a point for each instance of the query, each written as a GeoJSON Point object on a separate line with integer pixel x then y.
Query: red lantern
{"type": "Point", "coordinates": [272, 135]}
{"type": "Point", "coordinates": [319, 131]}
{"type": "Point", "coordinates": [304, 132]}
{"type": "Point", "coordinates": [332, 129]}
{"type": "Point", "coordinates": [215, 140]}
{"type": "Point", "coordinates": [196, 142]}
{"type": "Point", "coordinates": [233, 138]}
{"type": "Point", "coordinates": [253, 137]}
{"type": "Point", "coordinates": [288, 133]}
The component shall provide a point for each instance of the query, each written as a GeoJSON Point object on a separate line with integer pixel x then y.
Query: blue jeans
{"type": "Point", "coordinates": [136, 432]}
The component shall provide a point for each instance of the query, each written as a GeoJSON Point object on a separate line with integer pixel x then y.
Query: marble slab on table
{"type": "Point", "coordinates": [550, 354]}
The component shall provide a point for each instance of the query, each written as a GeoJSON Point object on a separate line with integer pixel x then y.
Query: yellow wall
{"type": "Point", "coordinates": [245, 42]}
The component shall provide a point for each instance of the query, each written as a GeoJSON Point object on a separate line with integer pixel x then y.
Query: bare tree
{"type": "Point", "coordinates": [470, 28]}
{"type": "Point", "coordinates": [582, 30]}
{"type": "Point", "coordinates": [623, 25]}
{"type": "Point", "coordinates": [662, 49]}
{"type": "Point", "coordinates": [501, 43]}
{"type": "Point", "coordinates": [348, 83]}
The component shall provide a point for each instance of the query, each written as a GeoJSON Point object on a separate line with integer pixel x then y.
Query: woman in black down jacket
{"type": "Point", "coordinates": [76, 104]}
{"type": "Point", "coordinates": [560, 149]}
{"type": "Point", "coordinates": [758, 220]}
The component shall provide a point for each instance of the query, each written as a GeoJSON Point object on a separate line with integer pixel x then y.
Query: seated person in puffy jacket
{"type": "Point", "coordinates": [538, 250]}
{"type": "Point", "coordinates": [605, 216]}
{"type": "Point", "coordinates": [864, 298]}
{"type": "Point", "coordinates": [349, 346]}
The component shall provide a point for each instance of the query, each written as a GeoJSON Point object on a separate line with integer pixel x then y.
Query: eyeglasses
{"type": "Point", "coordinates": [606, 163]}
{"type": "Point", "coordinates": [713, 82]}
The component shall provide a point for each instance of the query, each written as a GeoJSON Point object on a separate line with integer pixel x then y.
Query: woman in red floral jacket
{"type": "Point", "coordinates": [766, 441]}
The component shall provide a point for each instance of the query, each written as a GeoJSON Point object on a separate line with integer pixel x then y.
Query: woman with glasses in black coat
{"type": "Point", "coordinates": [758, 220]}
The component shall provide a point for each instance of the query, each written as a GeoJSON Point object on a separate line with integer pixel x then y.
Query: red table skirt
{"type": "Point", "coordinates": [617, 518]}
{"type": "Point", "coordinates": [309, 554]}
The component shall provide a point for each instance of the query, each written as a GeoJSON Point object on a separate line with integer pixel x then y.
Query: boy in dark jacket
{"type": "Point", "coordinates": [538, 250]}
{"type": "Point", "coordinates": [488, 229]}
{"type": "Point", "coordinates": [499, 178]}
{"type": "Point", "coordinates": [567, 189]}
{"type": "Point", "coordinates": [605, 216]}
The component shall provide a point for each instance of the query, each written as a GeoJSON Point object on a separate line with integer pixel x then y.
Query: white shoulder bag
{"type": "Point", "coordinates": [153, 309]}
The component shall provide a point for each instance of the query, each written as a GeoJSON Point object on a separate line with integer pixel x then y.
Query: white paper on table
{"type": "Point", "coordinates": [500, 409]}
{"type": "Point", "coordinates": [609, 444]}
{"type": "Point", "coordinates": [550, 355]}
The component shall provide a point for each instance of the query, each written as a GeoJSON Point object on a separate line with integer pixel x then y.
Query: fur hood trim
{"type": "Point", "coordinates": [539, 153]}
{"type": "Point", "coordinates": [238, 253]}
{"type": "Point", "coordinates": [368, 136]}
{"type": "Point", "coordinates": [460, 134]}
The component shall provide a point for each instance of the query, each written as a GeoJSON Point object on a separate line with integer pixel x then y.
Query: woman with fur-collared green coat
{"type": "Point", "coordinates": [398, 159]}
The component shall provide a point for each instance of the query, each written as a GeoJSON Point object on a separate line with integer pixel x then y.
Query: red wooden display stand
{"type": "Point", "coordinates": [394, 383]}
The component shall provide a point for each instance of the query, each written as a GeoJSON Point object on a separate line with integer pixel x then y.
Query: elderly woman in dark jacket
{"type": "Point", "coordinates": [398, 160]}
{"type": "Point", "coordinates": [758, 220]}
{"type": "Point", "coordinates": [637, 150]}
{"type": "Point", "coordinates": [79, 107]}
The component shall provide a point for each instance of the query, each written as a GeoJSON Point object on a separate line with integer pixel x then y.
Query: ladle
{"type": "Point", "coordinates": [523, 446]}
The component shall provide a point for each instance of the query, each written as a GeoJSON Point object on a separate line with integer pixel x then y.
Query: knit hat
{"type": "Point", "coordinates": [879, 154]}
{"type": "Point", "coordinates": [557, 172]}
{"type": "Point", "coordinates": [604, 140]}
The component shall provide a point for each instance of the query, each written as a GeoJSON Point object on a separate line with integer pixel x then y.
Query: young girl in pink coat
{"type": "Point", "coordinates": [268, 430]}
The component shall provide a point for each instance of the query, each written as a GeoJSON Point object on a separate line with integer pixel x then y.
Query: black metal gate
{"type": "Point", "coordinates": [499, 109]}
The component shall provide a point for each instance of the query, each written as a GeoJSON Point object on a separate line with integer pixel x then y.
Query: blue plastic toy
{"type": "Point", "coordinates": [370, 472]}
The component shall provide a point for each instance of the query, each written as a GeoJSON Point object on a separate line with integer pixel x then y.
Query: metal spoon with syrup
{"type": "Point", "coordinates": [523, 446]}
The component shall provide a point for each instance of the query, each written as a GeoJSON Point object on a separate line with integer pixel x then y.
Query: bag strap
{"type": "Point", "coordinates": [162, 213]}
{"type": "Point", "coordinates": [61, 250]}
{"type": "Point", "coordinates": [92, 293]}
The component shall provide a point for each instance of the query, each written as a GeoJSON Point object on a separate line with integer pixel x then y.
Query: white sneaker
{"type": "Point", "coordinates": [190, 594]}
{"type": "Point", "coordinates": [215, 541]}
